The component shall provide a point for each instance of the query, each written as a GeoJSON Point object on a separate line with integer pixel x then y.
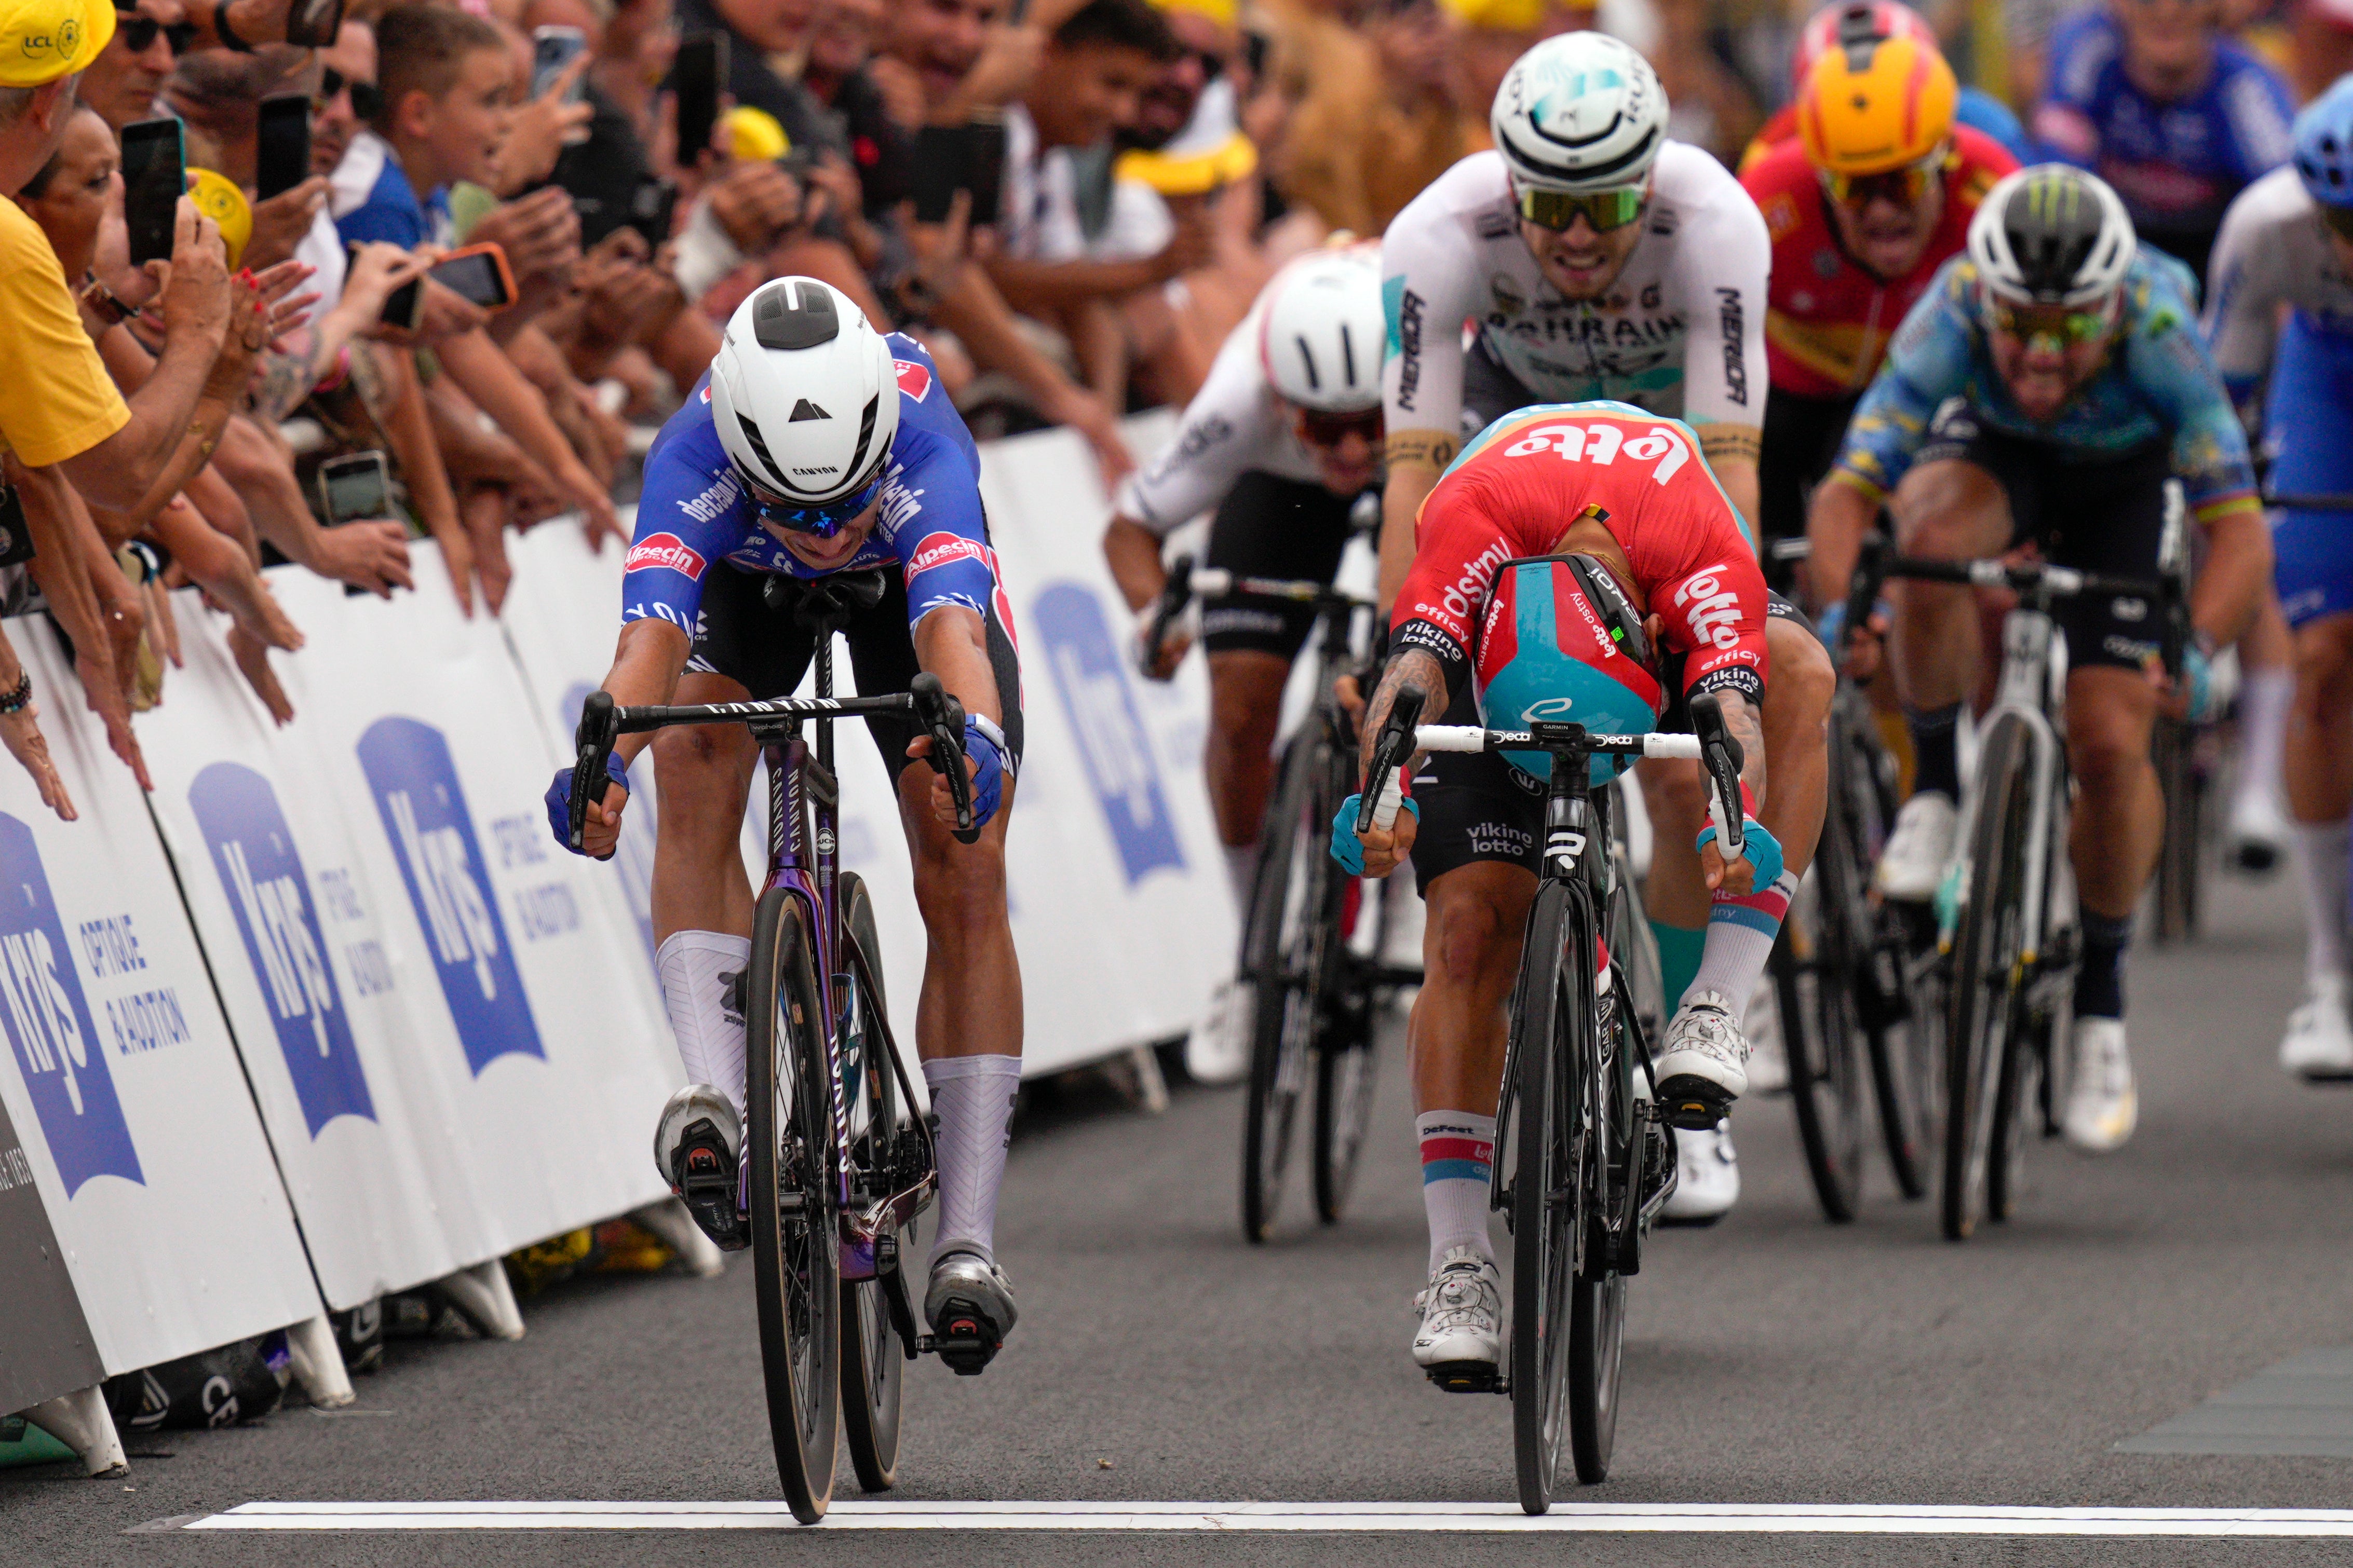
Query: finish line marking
{"type": "Point", "coordinates": [1769, 1518]}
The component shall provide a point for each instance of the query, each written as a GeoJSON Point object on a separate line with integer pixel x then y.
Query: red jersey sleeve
{"type": "Point", "coordinates": [1460, 538]}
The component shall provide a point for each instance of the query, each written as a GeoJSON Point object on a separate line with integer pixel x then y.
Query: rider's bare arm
{"type": "Point", "coordinates": [952, 643]}
{"type": "Point", "coordinates": [1842, 513]}
{"type": "Point", "coordinates": [1744, 719]}
{"type": "Point", "coordinates": [2234, 577]}
{"type": "Point", "coordinates": [1133, 552]}
{"type": "Point", "coordinates": [1732, 450]}
{"type": "Point", "coordinates": [1408, 667]}
{"type": "Point", "coordinates": [647, 663]}
{"type": "Point", "coordinates": [1415, 459]}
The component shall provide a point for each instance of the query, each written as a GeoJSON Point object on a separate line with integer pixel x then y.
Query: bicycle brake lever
{"type": "Point", "coordinates": [592, 740]}
{"type": "Point", "coordinates": [1384, 787]}
{"type": "Point", "coordinates": [1863, 591]}
{"type": "Point", "coordinates": [1175, 595]}
{"type": "Point", "coordinates": [1721, 756]}
{"type": "Point", "coordinates": [941, 718]}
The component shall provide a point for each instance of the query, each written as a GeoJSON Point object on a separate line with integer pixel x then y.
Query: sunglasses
{"type": "Point", "coordinates": [2072, 328]}
{"type": "Point", "coordinates": [1318, 428]}
{"type": "Point", "coordinates": [1902, 186]}
{"type": "Point", "coordinates": [1604, 210]}
{"type": "Point", "coordinates": [818, 522]}
{"type": "Point", "coordinates": [138, 33]}
{"type": "Point", "coordinates": [367, 101]}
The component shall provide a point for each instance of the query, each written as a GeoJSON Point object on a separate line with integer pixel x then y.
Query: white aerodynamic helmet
{"type": "Point", "coordinates": [805, 398]}
{"type": "Point", "coordinates": [1581, 111]}
{"type": "Point", "coordinates": [1323, 331]}
{"type": "Point", "coordinates": [2053, 235]}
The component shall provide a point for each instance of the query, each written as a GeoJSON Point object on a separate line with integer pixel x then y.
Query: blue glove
{"type": "Point", "coordinates": [559, 798]}
{"type": "Point", "coordinates": [988, 767]}
{"type": "Point", "coordinates": [2198, 680]}
{"type": "Point", "coordinates": [1832, 625]}
{"type": "Point", "coordinates": [1758, 847]}
{"type": "Point", "coordinates": [1346, 847]}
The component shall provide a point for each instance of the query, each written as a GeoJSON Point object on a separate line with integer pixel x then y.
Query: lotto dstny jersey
{"type": "Point", "coordinates": [2156, 385]}
{"type": "Point", "coordinates": [694, 511]}
{"type": "Point", "coordinates": [2177, 165]}
{"type": "Point", "coordinates": [1234, 424]}
{"type": "Point", "coordinates": [1680, 333]}
{"type": "Point", "coordinates": [1516, 488]}
{"type": "Point", "coordinates": [2275, 251]}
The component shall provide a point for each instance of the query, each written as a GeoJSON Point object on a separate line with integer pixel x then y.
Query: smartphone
{"type": "Point", "coordinates": [653, 209]}
{"type": "Point", "coordinates": [314, 23]}
{"type": "Point", "coordinates": [155, 177]}
{"type": "Point", "coordinates": [282, 155]}
{"type": "Point", "coordinates": [942, 160]}
{"type": "Point", "coordinates": [552, 50]}
{"type": "Point", "coordinates": [478, 274]}
{"type": "Point", "coordinates": [696, 77]}
{"type": "Point", "coordinates": [354, 487]}
{"type": "Point", "coordinates": [985, 166]}
{"type": "Point", "coordinates": [405, 306]}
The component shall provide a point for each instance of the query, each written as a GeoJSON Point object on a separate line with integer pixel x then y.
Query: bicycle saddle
{"type": "Point", "coordinates": [826, 604]}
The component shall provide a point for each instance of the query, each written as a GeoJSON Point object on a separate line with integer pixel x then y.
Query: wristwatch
{"type": "Point", "coordinates": [102, 303]}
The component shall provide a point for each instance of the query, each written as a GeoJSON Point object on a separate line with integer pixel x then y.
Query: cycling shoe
{"type": "Point", "coordinates": [695, 1148]}
{"type": "Point", "coordinates": [970, 1307]}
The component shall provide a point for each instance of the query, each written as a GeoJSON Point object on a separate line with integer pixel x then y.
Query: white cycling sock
{"type": "Point", "coordinates": [2318, 849]}
{"type": "Point", "coordinates": [1457, 1155]}
{"type": "Point", "coordinates": [698, 971]}
{"type": "Point", "coordinates": [974, 1096]}
{"type": "Point", "coordinates": [1740, 932]}
{"type": "Point", "coordinates": [1241, 872]}
{"type": "Point", "coordinates": [2263, 698]}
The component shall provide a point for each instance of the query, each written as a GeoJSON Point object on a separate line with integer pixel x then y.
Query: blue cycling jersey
{"type": "Point", "coordinates": [2177, 165]}
{"type": "Point", "coordinates": [1981, 110]}
{"type": "Point", "coordinates": [694, 511]}
{"type": "Point", "coordinates": [2158, 383]}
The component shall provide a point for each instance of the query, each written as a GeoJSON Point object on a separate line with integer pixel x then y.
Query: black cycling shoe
{"type": "Point", "coordinates": [695, 1150]}
{"type": "Point", "coordinates": [970, 1307]}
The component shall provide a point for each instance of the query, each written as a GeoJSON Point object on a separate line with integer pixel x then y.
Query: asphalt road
{"type": "Point", "coordinates": [1774, 1359]}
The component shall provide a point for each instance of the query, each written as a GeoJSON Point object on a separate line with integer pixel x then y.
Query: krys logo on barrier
{"type": "Point", "coordinates": [415, 783]}
{"type": "Point", "coordinates": [1110, 733]}
{"type": "Point", "coordinates": [49, 1025]}
{"type": "Point", "coordinates": [253, 849]}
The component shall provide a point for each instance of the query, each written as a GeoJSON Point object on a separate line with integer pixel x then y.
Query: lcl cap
{"type": "Point", "coordinates": [41, 40]}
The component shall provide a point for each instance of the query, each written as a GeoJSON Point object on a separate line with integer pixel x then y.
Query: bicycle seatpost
{"type": "Point", "coordinates": [593, 740]}
{"type": "Point", "coordinates": [941, 718]}
{"type": "Point", "coordinates": [1721, 756]}
{"type": "Point", "coordinates": [1384, 785]}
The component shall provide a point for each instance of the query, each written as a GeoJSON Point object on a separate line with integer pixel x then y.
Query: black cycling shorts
{"type": "Point", "coordinates": [752, 631]}
{"type": "Point", "coordinates": [2103, 514]}
{"type": "Point", "coordinates": [1270, 527]}
{"type": "Point", "coordinates": [1477, 806]}
{"type": "Point", "coordinates": [1801, 441]}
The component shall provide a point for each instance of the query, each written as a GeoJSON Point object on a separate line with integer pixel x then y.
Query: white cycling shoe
{"type": "Point", "coordinates": [1218, 1051]}
{"type": "Point", "coordinates": [2102, 1106]}
{"type": "Point", "coordinates": [1704, 1064]}
{"type": "Point", "coordinates": [697, 1148]}
{"type": "Point", "coordinates": [1708, 1177]}
{"type": "Point", "coordinates": [2258, 832]}
{"type": "Point", "coordinates": [1919, 847]}
{"type": "Point", "coordinates": [1460, 1343]}
{"type": "Point", "coordinates": [1768, 1052]}
{"type": "Point", "coordinates": [969, 1305]}
{"type": "Point", "coordinates": [2318, 1045]}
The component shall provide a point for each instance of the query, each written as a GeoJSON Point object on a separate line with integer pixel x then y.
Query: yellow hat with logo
{"type": "Point", "coordinates": [41, 40]}
{"type": "Point", "coordinates": [755, 135]}
{"type": "Point", "coordinates": [217, 197]}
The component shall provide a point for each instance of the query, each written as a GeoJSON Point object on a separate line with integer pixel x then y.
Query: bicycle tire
{"type": "Point", "coordinates": [873, 1356]}
{"type": "Point", "coordinates": [1609, 1176]}
{"type": "Point", "coordinates": [1345, 1074]}
{"type": "Point", "coordinates": [1348, 1053]}
{"type": "Point", "coordinates": [1830, 1071]}
{"type": "Point", "coordinates": [1985, 995]}
{"type": "Point", "coordinates": [1288, 876]}
{"type": "Point", "coordinates": [2181, 854]}
{"type": "Point", "coordinates": [795, 1247]}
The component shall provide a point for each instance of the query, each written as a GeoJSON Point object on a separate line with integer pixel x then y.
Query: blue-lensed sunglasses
{"type": "Point", "coordinates": [818, 522]}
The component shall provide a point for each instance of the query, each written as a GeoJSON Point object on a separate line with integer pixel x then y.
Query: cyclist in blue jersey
{"type": "Point", "coordinates": [2288, 242]}
{"type": "Point", "coordinates": [2149, 95]}
{"type": "Point", "coordinates": [819, 462]}
{"type": "Point", "coordinates": [2044, 390]}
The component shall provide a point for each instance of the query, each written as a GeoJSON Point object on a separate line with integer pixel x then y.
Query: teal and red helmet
{"type": "Point", "coordinates": [1561, 643]}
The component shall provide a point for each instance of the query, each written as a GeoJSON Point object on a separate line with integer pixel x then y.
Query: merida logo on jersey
{"type": "Point", "coordinates": [666, 550]}
{"type": "Point", "coordinates": [1729, 312]}
{"type": "Point", "coordinates": [716, 501]}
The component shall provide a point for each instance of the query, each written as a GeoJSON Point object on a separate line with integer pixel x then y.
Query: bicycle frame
{"type": "Point", "coordinates": [2032, 690]}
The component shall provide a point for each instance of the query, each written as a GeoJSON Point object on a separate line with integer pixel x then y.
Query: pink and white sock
{"type": "Point", "coordinates": [1740, 933]}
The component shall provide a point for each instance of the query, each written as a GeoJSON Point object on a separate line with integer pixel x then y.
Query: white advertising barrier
{"type": "Point", "coordinates": [448, 1025]}
{"type": "Point", "coordinates": [122, 1082]}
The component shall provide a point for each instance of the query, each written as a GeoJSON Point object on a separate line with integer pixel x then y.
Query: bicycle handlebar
{"type": "Point", "coordinates": [1720, 757]}
{"type": "Point", "coordinates": [1385, 784]}
{"type": "Point", "coordinates": [593, 739]}
{"type": "Point", "coordinates": [1176, 593]}
{"type": "Point", "coordinates": [941, 718]}
{"type": "Point", "coordinates": [1470, 738]}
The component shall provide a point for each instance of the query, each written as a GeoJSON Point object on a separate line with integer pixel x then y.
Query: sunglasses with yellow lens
{"type": "Point", "coordinates": [1604, 210]}
{"type": "Point", "coordinates": [2027, 322]}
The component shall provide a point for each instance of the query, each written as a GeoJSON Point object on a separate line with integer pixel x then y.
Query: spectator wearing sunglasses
{"type": "Point", "coordinates": [125, 81]}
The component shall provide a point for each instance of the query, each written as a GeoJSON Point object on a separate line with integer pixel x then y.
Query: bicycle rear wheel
{"type": "Point", "coordinates": [873, 1355]}
{"type": "Point", "coordinates": [1283, 951]}
{"type": "Point", "coordinates": [1985, 1000]}
{"type": "Point", "coordinates": [795, 1247]}
{"type": "Point", "coordinates": [2180, 860]}
{"type": "Point", "coordinates": [1347, 1051]}
{"type": "Point", "coordinates": [1830, 1081]}
{"type": "Point", "coordinates": [1345, 1071]}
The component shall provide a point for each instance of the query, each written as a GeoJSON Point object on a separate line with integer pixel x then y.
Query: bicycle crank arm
{"type": "Point", "coordinates": [890, 1271]}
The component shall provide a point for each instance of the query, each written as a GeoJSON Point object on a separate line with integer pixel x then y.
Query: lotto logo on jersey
{"type": "Point", "coordinates": [665, 549]}
{"type": "Point", "coordinates": [1710, 609]}
{"type": "Point", "coordinates": [1603, 443]}
{"type": "Point", "coordinates": [940, 549]}
{"type": "Point", "coordinates": [914, 380]}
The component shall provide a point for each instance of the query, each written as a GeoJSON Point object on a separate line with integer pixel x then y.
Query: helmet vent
{"type": "Point", "coordinates": [1348, 354]}
{"type": "Point", "coordinates": [1307, 358]}
{"type": "Point", "coordinates": [793, 315]}
{"type": "Point", "coordinates": [752, 434]}
{"type": "Point", "coordinates": [866, 430]}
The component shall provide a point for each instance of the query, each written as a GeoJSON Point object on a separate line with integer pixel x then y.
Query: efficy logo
{"type": "Point", "coordinates": [415, 781]}
{"type": "Point", "coordinates": [49, 1026]}
{"type": "Point", "coordinates": [261, 871]}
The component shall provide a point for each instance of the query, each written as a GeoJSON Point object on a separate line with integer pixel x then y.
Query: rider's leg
{"type": "Point", "coordinates": [701, 897]}
{"type": "Point", "coordinates": [2118, 826]}
{"type": "Point", "coordinates": [1945, 511]}
{"type": "Point", "coordinates": [2319, 758]}
{"type": "Point", "coordinates": [2266, 688]}
{"type": "Point", "coordinates": [1245, 706]}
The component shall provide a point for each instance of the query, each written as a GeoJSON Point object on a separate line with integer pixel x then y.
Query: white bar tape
{"type": "Point", "coordinates": [1385, 809]}
{"type": "Point", "coordinates": [1213, 582]}
{"type": "Point", "coordinates": [1451, 738]}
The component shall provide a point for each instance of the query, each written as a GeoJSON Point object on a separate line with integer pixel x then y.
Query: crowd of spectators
{"type": "Point", "coordinates": [1146, 167]}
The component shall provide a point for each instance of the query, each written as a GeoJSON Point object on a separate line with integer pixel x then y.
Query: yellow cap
{"type": "Point", "coordinates": [1224, 12]}
{"type": "Point", "coordinates": [1191, 173]}
{"type": "Point", "coordinates": [1516, 16]}
{"type": "Point", "coordinates": [217, 197]}
{"type": "Point", "coordinates": [753, 135]}
{"type": "Point", "coordinates": [41, 40]}
{"type": "Point", "coordinates": [1877, 106]}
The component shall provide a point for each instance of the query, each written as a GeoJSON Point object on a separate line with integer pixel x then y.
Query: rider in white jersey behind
{"type": "Point", "coordinates": [1596, 260]}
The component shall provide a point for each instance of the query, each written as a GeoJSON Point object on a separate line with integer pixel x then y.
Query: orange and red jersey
{"type": "Point", "coordinates": [1514, 492]}
{"type": "Point", "coordinates": [1827, 320]}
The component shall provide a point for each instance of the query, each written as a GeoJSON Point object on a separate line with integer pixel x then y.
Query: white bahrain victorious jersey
{"type": "Point", "coordinates": [1682, 331]}
{"type": "Point", "coordinates": [1235, 423]}
{"type": "Point", "coordinates": [2272, 252]}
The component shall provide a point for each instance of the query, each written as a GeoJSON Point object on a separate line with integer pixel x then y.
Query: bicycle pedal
{"type": "Point", "coordinates": [965, 1341]}
{"type": "Point", "coordinates": [1692, 1104]}
{"type": "Point", "coordinates": [1466, 1377]}
{"type": "Point", "coordinates": [707, 1185]}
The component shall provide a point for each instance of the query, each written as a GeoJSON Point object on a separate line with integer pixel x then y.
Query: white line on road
{"type": "Point", "coordinates": [1859, 1519]}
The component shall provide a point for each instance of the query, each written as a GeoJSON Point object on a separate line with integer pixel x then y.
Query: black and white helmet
{"type": "Point", "coordinates": [1323, 331]}
{"type": "Point", "coordinates": [1581, 111]}
{"type": "Point", "coordinates": [803, 394]}
{"type": "Point", "coordinates": [2051, 234]}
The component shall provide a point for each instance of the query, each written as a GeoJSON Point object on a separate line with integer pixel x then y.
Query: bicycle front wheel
{"type": "Point", "coordinates": [795, 1248]}
{"type": "Point", "coordinates": [1285, 947]}
{"type": "Point", "coordinates": [1988, 955]}
{"type": "Point", "coordinates": [873, 1355]}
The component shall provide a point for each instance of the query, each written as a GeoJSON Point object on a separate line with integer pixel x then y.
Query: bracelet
{"type": "Point", "coordinates": [224, 32]}
{"type": "Point", "coordinates": [17, 700]}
